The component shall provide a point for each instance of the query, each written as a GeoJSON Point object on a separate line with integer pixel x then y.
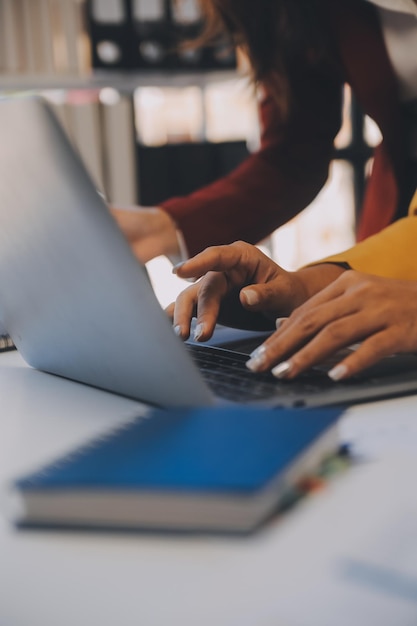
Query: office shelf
{"type": "Point", "coordinates": [121, 80]}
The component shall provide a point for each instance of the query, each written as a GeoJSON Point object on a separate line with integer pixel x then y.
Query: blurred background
{"type": "Point", "coordinates": [152, 118]}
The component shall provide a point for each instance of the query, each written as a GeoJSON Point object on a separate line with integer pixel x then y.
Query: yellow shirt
{"type": "Point", "coordinates": [391, 253]}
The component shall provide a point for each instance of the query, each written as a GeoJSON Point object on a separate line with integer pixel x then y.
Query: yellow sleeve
{"type": "Point", "coordinates": [391, 253]}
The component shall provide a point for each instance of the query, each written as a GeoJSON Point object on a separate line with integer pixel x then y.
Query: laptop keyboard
{"type": "Point", "coordinates": [227, 375]}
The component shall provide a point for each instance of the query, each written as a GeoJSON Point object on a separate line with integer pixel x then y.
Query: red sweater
{"type": "Point", "coordinates": [291, 167]}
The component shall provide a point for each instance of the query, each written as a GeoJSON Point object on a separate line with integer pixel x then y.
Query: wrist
{"type": "Point", "coordinates": [169, 235]}
{"type": "Point", "coordinates": [316, 277]}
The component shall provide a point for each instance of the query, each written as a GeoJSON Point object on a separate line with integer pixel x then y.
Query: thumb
{"type": "Point", "coordinates": [274, 298]}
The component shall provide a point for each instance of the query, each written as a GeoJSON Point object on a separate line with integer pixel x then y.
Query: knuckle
{"type": "Point", "coordinates": [371, 351]}
{"type": "Point", "coordinates": [335, 332]}
{"type": "Point", "coordinates": [240, 245]}
{"type": "Point", "coordinates": [306, 322]}
{"type": "Point", "coordinates": [206, 290]}
{"type": "Point", "coordinates": [217, 254]}
{"type": "Point", "coordinates": [214, 254]}
{"type": "Point", "coordinates": [298, 363]}
{"type": "Point", "coordinates": [210, 287]}
{"type": "Point", "coordinates": [243, 252]}
{"type": "Point", "coordinates": [303, 359]}
{"type": "Point", "coordinates": [382, 344]}
{"type": "Point", "coordinates": [296, 314]}
{"type": "Point", "coordinates": [190, 293]}
{"type": "Point", "coordinates": [352, 278]}
{"type": "Point", "coordinates": [348, 277]}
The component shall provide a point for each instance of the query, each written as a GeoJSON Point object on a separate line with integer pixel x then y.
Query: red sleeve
{"type": "Point", "coordinates": [275, 183]}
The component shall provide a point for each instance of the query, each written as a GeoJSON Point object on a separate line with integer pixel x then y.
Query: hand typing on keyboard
{"type": "Point", "coordinates": [329, 309]}
{"type": "Point", "coordinates": [241, 287]}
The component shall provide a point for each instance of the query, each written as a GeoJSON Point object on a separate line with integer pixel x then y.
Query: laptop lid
{"type": "Point", "coordinates": [72, 295]}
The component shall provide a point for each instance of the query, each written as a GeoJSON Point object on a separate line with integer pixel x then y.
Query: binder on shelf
{"type": "Point", "coordinates": [43, 37]}
{"type": "Point", "coordinates": [119, 141]}
{"type": "Point", "coordinates": [55, 36]}
{"type": "Point", "coordinates": [159, 30]}
{"type": "Point", "coordinates": [100, 125]}
{"type": "Point", "coordinates": [37, 32]}
{"type": "Point", "coordinates": [70, 12]}
{"type": "Point", "coordinates": [2, 40]}
{"type": "Point", "coordinates": [79, 113]}
{"type": "Point", "coordinates": [187, 24]}
{"type": "Point", "coordinates": [83, 115]}
{"type": "Point", "coordinates": [186, 13]}
{"type": "Point", "coordinates": [67, 28]}
{"type": "Point", "coordinates": [151, 36]}
{"type": "Point", "coordinates": [109, 29]}
{"type": "Point", "coordinates": [11, 35]}
{"type": "Point", "coordinates": [179, 169]}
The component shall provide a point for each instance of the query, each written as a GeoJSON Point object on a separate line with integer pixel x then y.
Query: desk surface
{"type": "Point", "coordinates": [345, 556]}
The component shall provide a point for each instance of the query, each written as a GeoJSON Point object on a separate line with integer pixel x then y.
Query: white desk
{"type": "Point", "coordinates": [326, 562]}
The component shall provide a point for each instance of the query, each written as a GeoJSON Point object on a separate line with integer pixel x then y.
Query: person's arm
{"type": "Point", "coordinates": [390, 253]}
{"type": "Point", "coordinates": [265, 191]}
{"type": "Point", "coordinates": [151, 232]}
{"type": "Point", "coordinates": [275, 183]}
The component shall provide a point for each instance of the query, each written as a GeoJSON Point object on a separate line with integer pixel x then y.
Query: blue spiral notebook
{"type": "Point", "coordinates": [189, 470]}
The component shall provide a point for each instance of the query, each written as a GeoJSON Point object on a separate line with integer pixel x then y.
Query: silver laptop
{"type": "Point", "coordinates": [78, 304]}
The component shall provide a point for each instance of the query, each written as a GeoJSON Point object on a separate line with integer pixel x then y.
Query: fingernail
{"type": "Point", "coordinates": [251, 296]}
{"type": "Point", "coordinates": [279, 321]}
{"type": "Point", "coordinates": [257, 359]}
{"type": "Point", "coordinates": [338, 372]}
{"type": "Point", "coordinates": [282, 369]}
{"type": "Point", "coordinates": [177, 330]}
{"type": "Point", "coordinates": [177, 267]}
{"type": "Point", "coordinates": [198, 331]}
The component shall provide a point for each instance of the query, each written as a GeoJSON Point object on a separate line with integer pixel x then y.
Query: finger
{"type": "Point", "coordinates": [372, 350]}
{"type": "Point", "coordinates": [169, 310]}
{"type": "Point", "coordinates": [332, 338]}
{"type": "Point", "coordinates": [278, 297]}
{"type": "Point", "coordinates": [184, 310]}
{"type": "Point", "coordinates": [238, 256]}
{"type": "Point", "coordinates": [212, 289]}
{"type": "Point", "coordinates": [302, 325]}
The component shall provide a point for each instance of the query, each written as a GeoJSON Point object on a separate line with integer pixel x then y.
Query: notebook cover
{"type": "Point", "coordinates": [236, 450]}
